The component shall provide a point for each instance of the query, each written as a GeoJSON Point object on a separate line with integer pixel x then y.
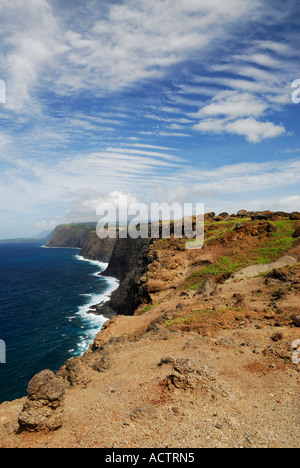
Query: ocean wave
{"type": "Point", "coordinates": [101, 265]}
{"type": "Point", "coordinates": [93, 323]}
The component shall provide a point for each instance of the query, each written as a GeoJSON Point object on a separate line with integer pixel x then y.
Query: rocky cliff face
{"type": "Point", "coordinates": [212, 341]}
{"type": "Point", "coordinates": [129, 262]}
{"type": "Point", "coordinates": [71, 235]}
{"type": "Point", "coordinates": [98, 249]}
{"type": "Point", "coordinates": [127, 259]}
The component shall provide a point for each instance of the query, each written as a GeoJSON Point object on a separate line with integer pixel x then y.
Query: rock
{"type": "Point", "coordinates": [184, 366]}
{"type": "Point", "coordinates": [167, 360]}
{"type": "Point", "coordinates": [260, 230]}
{"type": "Point", "coordinates": [207, 287]}
{"type": "Point", "coordinates": [36, 417]}
{"type": "Point", "coordinates": [102, 365]}
{"type": "Point", "coordinates": [277, 337]}
{"type": "Point", "coordinates": [224, 215]}
{"type": "Point", "coordinates": [105, 310]}
{"type": "Point", "coordinates": [46, 387]}
{"type": "Point", "coordinates": [43, 409]}
{"type": "Point", "coordinates": [72, 372]}
{"type": "Point", "coordinates": [282, 214]}
{"type": "Point", "coordinates": [181, 382]}
{"type": "Point", "coordinates": [262, 215]}
{"type": "Point", "coordinates": [296, 320]}
{"type": "Point", "coordinates": [269, 314]}
{"type": "Point", "coordinates": [242, 214]}
{"type": "Point", "coordinates": [295, 216]}
{"type": "Point", "coordinates": [184, 376]}
{"type": "Point", "coordinates": [209, 216]}
{"type": "Point", "coordinates": [297, 231]}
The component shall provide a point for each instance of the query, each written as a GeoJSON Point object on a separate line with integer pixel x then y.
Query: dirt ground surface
{"type": "Point", "coordinates": [208, 368]}
{"type": "Point", "coordinates": [241, 388]}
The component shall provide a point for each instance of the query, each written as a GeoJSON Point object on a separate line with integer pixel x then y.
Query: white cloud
{"type": "Point", "coordinates": [31, 41]}
{"type": "Point", "coordinates": [245, 177]}
{"type": "Point", "coordinates": [109, 49]}
{"type": "Point", "coordinates": [291, 203]}
{"type": "Point", "coordinates": [253, 130]}
{"type": "Point", "coordinates": [232, 105]}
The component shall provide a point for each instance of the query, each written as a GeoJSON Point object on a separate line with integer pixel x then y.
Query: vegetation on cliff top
{"type": "Point", "coordinates": [242, 251]}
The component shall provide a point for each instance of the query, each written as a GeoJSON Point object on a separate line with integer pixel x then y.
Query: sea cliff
{"type": "Point", "coordinates": [71, 235]}
{"type": "Point", "coordinates": [199, 355]}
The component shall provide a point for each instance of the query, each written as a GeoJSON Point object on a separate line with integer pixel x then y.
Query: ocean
{"type": "Point", "coordinates": [44, 298]}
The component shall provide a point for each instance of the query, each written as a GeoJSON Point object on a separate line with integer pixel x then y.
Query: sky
{"type": "Point", "coordinates": [159, 100]}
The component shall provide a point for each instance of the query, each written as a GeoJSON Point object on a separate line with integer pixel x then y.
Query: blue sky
{"type": "Point", "coordinates": [160, 100]}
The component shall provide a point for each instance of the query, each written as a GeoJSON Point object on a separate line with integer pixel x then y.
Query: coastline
{"type": "Point", "coordinates": [94, 321]}
{"type": "Point", "coordinates": [76, 326]}
{"type": "Point", "coordinates": [220, 349]}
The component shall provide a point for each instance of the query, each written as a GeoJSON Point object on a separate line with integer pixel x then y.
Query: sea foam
{"type": "Point", "coordinates": [92, 323]}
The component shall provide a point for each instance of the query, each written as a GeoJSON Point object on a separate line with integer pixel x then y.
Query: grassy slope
{"type": "Point", "coordinates": [266, 251]}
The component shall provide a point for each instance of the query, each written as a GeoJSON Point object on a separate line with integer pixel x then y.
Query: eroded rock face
{"type": "Point", "coordinates": [43, 410]}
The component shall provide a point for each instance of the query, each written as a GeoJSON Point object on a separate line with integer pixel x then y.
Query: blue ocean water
{"type": "Point", "coordinates": [44, 298]}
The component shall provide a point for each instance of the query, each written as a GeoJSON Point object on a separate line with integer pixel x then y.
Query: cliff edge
{"type": "Point", "coordinates": [207, 358]}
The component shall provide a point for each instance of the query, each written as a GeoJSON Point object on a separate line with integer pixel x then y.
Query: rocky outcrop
{"type": "Point", "coordinates": [43, 410]}
{"type": "Point", "coordinates": [184, 376]}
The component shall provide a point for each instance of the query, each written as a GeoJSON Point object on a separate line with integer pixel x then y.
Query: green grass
{"type": "Point", "coordinates": [149, 307]}
{"type": "Point", "coordinates": [221, 228]}
{"type": "Point", "coordinates": [224, 266]}
{"type": "Point", "coordinates": [273, 247]}
{"type": "Point", "coordinates": [194, 287]}
{"type": "Point", "coordinates": [198, 316]}
{"type": "Point", "coordinates": [280, 241]}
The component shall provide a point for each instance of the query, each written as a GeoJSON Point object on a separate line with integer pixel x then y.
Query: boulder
{"type": "Point", "coordinates": [295, 216]}
{"type": "Point", "coordinates": [221, 217]}
{"type": "Point", "coordinates": [224, 215]}
{"type": "Point", "coordinates": [297, 231]}
{"type": "Point", "coordinates": [207, 287]}
{"type": "Point", "coordinates": [262, 215]}
{"type": "Point", "coordinates": [242, 214]}
{"type": "Point", "coordinates": [43, 409]}
{"type": "Point", "coordinates": [296, 320]}
{"type": "Point", "coordinates": [282, 214]}
{"type": "Point", "coordinates": [184, 376]}
{"type": "Point", "coordinates": [46, 387]}
{"type": "Point", "coordinates": [209, 216]}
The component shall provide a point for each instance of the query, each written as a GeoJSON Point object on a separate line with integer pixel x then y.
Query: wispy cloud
{"type": "Point", "coordinates": [144, 97]}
